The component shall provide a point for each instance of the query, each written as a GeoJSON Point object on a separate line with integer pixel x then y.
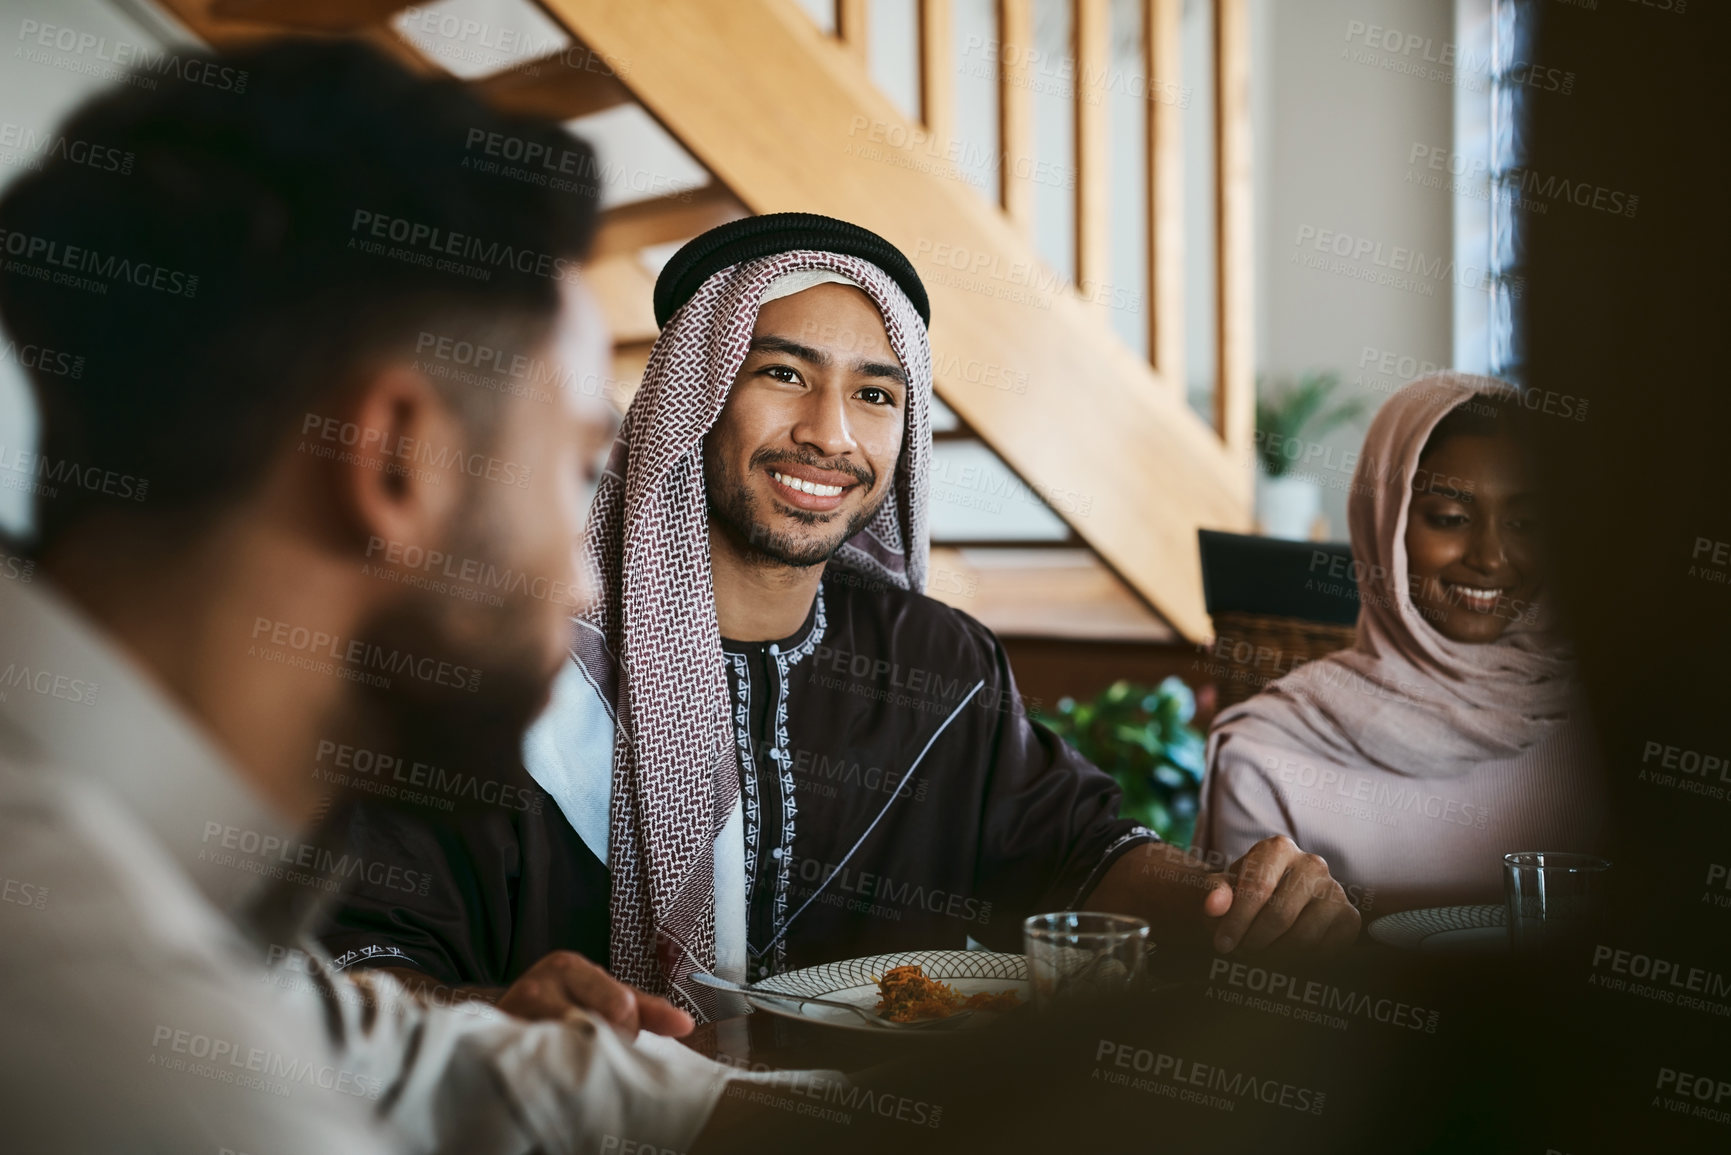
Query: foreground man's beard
{"type": "Point", "coordinates": [733, 507]}
{"type": "Point", "coordinates": [480, 677]}
{"type": "Point", "coordinates": [438, 719]}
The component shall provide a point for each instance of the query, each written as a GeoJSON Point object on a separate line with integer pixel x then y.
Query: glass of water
{"type": "Point", "coordinates": [1552, 896]}
{"type": "Point", "coordinates": [1079, 953]}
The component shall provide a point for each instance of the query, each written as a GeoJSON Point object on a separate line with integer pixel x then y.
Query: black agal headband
{"type": "Point", "coordinates": [744, 240]}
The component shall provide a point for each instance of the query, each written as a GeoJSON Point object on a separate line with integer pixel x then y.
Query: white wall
{"type": "Point", "coordinates": [1333, 139]}
{"type": "Point", "coordinates": [38, 87]}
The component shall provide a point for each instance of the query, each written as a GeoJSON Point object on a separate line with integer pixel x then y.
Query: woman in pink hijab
{"type": "Point", "coordinates": [1452, 732]}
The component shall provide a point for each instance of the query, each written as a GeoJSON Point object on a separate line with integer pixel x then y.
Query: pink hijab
{"type": "Point", "coordinates": [1405, 699]}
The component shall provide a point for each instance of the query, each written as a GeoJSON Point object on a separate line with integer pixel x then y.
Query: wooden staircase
{"type": "Point", "coordinates": [785, 117]}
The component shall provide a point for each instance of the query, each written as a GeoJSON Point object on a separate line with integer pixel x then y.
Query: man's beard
{"type": "Point", "coordinates": [474, 736]}
{"type": "Point", "coordinates": [733, 506]}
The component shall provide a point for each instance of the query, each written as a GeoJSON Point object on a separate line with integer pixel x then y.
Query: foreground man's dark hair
{"type": "Point", "coordinates": [240, 270]}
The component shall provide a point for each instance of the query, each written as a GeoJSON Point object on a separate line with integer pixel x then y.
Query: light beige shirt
{"type": "Point", "coordinates": [144, 1006]}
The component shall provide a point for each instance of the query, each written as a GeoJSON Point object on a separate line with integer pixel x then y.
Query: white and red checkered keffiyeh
{"type": "Point", "coordinates": [655, 651]}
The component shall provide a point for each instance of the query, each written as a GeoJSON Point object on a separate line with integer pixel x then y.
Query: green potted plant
{"type": "Point", "coordinates": [1141, 735]}
{"type": "Point", "coordinates": [1289, 421]}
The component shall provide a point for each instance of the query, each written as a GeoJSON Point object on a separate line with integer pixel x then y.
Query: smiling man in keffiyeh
{"type": "Point", "coordinates": [771, 750]}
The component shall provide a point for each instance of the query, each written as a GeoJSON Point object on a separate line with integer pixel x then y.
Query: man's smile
{"type": "Point", "coordinates": [808, 488]}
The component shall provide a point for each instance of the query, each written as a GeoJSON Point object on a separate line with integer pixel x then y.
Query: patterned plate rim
{"type": "Point", "coordinates": [828, 978]}
{"type": "Point", "coordinates": [1408, 929]}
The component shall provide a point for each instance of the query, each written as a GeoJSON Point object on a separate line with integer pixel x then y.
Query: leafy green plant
{"type": "Point", "coordinates": [1295, 413]}
{"type": "Point", "coordinates": [1141, 735]}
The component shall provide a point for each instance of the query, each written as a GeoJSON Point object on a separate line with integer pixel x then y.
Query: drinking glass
{"type": "Point", "coordinates": [1079, 953]}
{"type": "Point", "coordinates": [1552, 896]}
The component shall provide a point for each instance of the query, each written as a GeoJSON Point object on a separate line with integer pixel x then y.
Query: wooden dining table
{"type": "Point", "coordinates": [762, 1041]}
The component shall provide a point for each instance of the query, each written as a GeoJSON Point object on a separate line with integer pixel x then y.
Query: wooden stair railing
{"type": "Point", "coordinates": [1088, 418]}
{"type": "Point", "coordinates": [810, 132]}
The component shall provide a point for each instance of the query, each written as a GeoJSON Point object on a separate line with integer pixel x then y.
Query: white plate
{"type": "Point", "coordinates": [854, 981]}
{"type": "Point", "coordinates": [1480, 929]}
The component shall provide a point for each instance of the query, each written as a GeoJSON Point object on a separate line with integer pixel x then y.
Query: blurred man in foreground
{"type": "Point", "coordinates": [315, 496]}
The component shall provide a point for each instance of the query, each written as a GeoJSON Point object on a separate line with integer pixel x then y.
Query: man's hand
{"type": "Point", "coordinates": [564, 982]}
{"type": "Point", "coordinates": [1275, 896]}
{"type": "Point", "coordinates": [1278, 895]}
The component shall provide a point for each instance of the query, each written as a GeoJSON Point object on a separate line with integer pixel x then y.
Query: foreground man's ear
{"type": "Point", "coordinates": [389, 448]}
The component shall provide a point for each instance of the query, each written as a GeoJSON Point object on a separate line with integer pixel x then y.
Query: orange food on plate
{"type": "Point", "coordinates": [906, 995]}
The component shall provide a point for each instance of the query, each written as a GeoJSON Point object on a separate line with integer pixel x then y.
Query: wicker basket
{"type": "Point", "coordinates": [1252, 650]}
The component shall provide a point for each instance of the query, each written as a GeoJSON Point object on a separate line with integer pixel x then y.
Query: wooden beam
{"type": "Point", "coordinates": [1165, 181]}
{"type": "Point", "coordinates": [310, 15]}
{"type": "Point", "coordinates": [1015, 112]}
{"type": "Point", "coordinates": [563, 86]}
{"type": "Point", "coordinates": [938, 69]}
{"type": "Point", "coordinates": [1035, 372]}
{"type": "Point", "coordinates": [1063, 593]}
{"type": "Point", "coordinates": [626, 292]}
{"type": "Point", "coordinates": [1235, 387]}
{"type": "Point", "coordinates": [1091, 32]}
{"type": "Point", "coordinates": [852, 20]}
{"type": "Point", "coordinates": [1070, 542]}
{"type": "Point", "coordinates": [628, 228]}
{"type": "Point", "coordinates": [227, 32]}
